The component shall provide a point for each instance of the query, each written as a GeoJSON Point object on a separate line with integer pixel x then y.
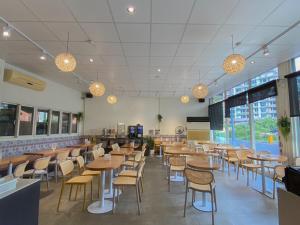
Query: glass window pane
{"type": "Point", "coordinates": [42, 122]}
{"type": "Point", "coordinates": [238, 89]}
{"type": "Point", "coordinates": [26, 120]}
{"type": "Point", "coordinates": [266, 130]}
{"type": "Point", "coordinates": [7, 119]}
{"type": "Point", "coordinates": [65, 123]}
{"type": "Point", "coordinates": [74, 123]}
{"type": "Point", "coordinates": [218, 98]}
{"type": "Point", "coordinates": [55, 122]}
{"type": "Point", "coordinates": [265, 77]}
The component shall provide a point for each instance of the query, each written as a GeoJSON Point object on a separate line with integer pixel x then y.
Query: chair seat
{"type": "Point", "coordinates": [90, 173]}
{"type": "Point", "coordinates": [199, 187]}
{"type": "Point", "coordinates": [251, 165]}
{"type": "Point", "coordinates": [130, 163]}
{"type": "Point", "coordinates": [32, 171]}
{"type": "Point", "coordinates": [80, 180]}
{"type": "Point", "coordinates": [124, 181]}
{"type": "Point", "coordinates": [128, 173]}
{"type": "Point", "coordinates": [177, 168]}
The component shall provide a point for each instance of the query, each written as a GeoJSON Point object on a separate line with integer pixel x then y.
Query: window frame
{"type": "Point", "coordinates": [33, 121]}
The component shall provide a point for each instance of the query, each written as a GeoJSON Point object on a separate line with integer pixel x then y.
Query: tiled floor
{"type": "Point", "coordinates": [237, 204]}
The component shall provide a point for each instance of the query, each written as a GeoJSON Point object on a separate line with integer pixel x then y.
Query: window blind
{"type": "Point", "coordinates": [263, 91]}
{"type": "Point", "coordinates": [233, 101]}
{"type": "Point", "coordinates": [215, 112]}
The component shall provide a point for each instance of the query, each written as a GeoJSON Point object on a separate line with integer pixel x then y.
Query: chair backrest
{"type": "Point", "coordinates": [297, 161]}
{"type": "Point", "coordinates": [66, 167]}
{"type": "Point", "coordinates": [279, 171]}
{"type": "Point", "coordinates": [205, 148]}
{"type": "Point", "coordinates": [41, 163]}
{"type": "Point", "coordinates": [101, 151]}
{"type": "Point", "coordinates": [140, 169]}
{"type": "Point", "coordinates": [231, 153]}
{"type": "Point", "coordinates": [115, 146]}
{"type": "Point", "coordinates": [132, 144]}
{"type": "Point", "coordinates": [19, 170]}
{"type": "Point", "coordinates": [80, 161]}
{"type": "Point", "coordinates": [95, 147]}
{"type": "Point", "coordinates": [75, 152]}
{"type": "Point", "coordinates": [242, 154]}
{"type": "Point", "coordinates": [138, 157]}
{"type": "Point", "coordinates": [96, 154]}
{"type": "Point", "coordinates": [177, 161]}
{"type": "Point", "coordinates": [199, 177]}
{"type": "Point", "coordinates": [62, 156]}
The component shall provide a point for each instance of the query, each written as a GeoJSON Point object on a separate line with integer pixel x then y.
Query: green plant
{"type": "Point", "coordinates": [150, 142]}
{"type": "Point", "coordinates": [80, 116]}
{"type": "Point", "coordinates": [284, 126]}
{"type": "Point", "coordinates": [159, 118]}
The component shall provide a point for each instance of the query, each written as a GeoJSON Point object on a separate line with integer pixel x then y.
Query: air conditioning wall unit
{"type": "Point", "coordinates": [26, 81]}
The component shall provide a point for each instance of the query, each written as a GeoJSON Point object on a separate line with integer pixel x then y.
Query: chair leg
{"type": "Point", "coordinates": [114, 198]}
{"type": "Point", "coordinates": [169, 178]}
{"type": "Point", "coordinates": [47, 180]}
{"type": "Point", "coordinates": [212, 208]}
{"type": "Point", "coordinates": [56, 171]}
{"type": "Point", "coordinates": [215, 199]}
{"type": "Point", "coordinates": [84, 197]}
{"type": "Point", "coordinates": [247, 177]}
{"type": "Point", "coordinates": [185, 199]}
{"type": "Point", "coordinates": [140, 197]}
{"type": "Point", "coordinates": [137, 199]}
{"type": "Point", "coordinates": [142, 185]}
{"type": "Point", "coordinates": [274, 187]}
{"type": "Point", "coordinates": [61, 192]}
{"type": "Point", "coordinates": [99, 181]}
{"type": "Point", "coordinates": [238, 171]}
{"type": "Point", "coordinates": [228, 165]}
{"type": "Point", "coordinates": [77, 186]}
{"type": "Point", "coordinates": [92, 190]}
{"type": "Point", "coordinates": [70, 194]}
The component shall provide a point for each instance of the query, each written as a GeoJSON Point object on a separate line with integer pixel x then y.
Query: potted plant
{"type": "Point", "coordinates": [80, 116]}
{"type": "Point", "coordinates": [150, 144]}
{"type": "Point", "coordinates": [284, 126]}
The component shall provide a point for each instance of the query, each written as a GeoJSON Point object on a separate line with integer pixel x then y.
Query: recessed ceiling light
{"type": "Point", "coordinates": [158, 70]}
{"type": "Point", "coordinates": [131, 10]}
{"type": "Point", "coordinates": [252, 62]}
{"type": "Point", "coordinates": [266, 51]}
{"type": "Point", "coordinates": [91, 60]}
{"type": "Point", "coordinates": [43, 57]}
{"type": "Point", "coordinates": [6, 32]}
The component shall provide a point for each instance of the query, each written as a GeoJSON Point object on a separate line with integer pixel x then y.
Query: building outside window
{"type": "Point", "coordinates": [219, 136]}
{"type": "Point", "coordinates": [8, 114]}
{"type": "Point", "coordinates": [65, 129]}
{"type": "Point", "coordinates": [55, 122]}
{"type": "Point", "coordinates": [26, 120]}
{"type": "Point", "coordinates": [42, 122]}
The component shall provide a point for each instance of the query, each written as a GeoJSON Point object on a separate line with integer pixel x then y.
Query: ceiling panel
{"type": "Point", "coordinates": [61, 30]}
{"type": "Point", "coordinates": [90, 10]}
{"type": "Point", "coordinates": [54, 10]}
{"type": "Point", "coordinates": [164, 33]}
{"type": "Point", "coordinates": [134, 32]}
{"type": "Point", "coordinates": [163, 49]}
{"type": "Point", "coordinates": [120, 14]}
{"type": "Point", "coordinates": [192, 50]}
{"type": "Point", "coordinates": [199, 33]}
{"type": "Point", "coordinates": [171, 11]}
{"type": "Point", "coordinates": [161, 61]}
{"type": "Point", "coordinates": [109, 48]}
{"type": "Point", "coordinates": [114, 60]}
{"type": "Point", "coordinates": [138, 61]}
{"type": "Point", "coordinates": [20, 12]}
{"type": "Point", "coordinates": [104, 32]}
{"type": "Point", "coordinates": [136, 49]}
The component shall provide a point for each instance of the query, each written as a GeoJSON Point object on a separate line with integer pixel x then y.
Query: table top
{"type": "Point", "coordinates": [122, 151]}
{"type": "Point", "coordinates": [80, 146]}
{"type": "Point", "coordinates": [104, 164]}
{"type": "Point", "coordinates": [184, 151]}
{"type": "Point", "coordinates": [127, 145]}
{"type": "Point", "coordinates": [16, 160]}
{"type": "Point", "coordinates": [48, 152]}
{"type": "Point", "coordinates": [267, 157]}
{"type": "Point", "coordinates": [203, 164]}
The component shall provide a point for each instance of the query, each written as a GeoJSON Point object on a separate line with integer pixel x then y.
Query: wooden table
{"type": "Point", "coordinates": [83, 146]}
{"type": "Point", "coordinates": [265, 158]}
{"type": "Point", "coordinates": [127, 145]}
{"type": "Point", "coordinates": [199, 164]}
{"type": "Point", "coordinates": [48, 152]}
{"type": "Point", "coordinates": [122, 151]}
{"type": "Point", "coordinates": [9, 162]}
{"type": "Point", "coordinates": [180, 151]}
{"type": "Point", "coordinates": [103, 165]}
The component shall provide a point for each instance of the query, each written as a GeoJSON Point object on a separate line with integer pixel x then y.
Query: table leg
{"type": "Point", "coordinates": [9, 169]}
{"type": "Point", "coordinates": [109, 192]}
{"type": "Point", "coordinates": [103, 205]}
{"type": "Point", "coordinates": [263, 178]}
{"type": "Point", "coordinates": [203, 204]}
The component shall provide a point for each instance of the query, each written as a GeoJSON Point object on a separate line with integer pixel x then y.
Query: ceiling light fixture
{"type": "Point", "coordinates": [112, 99]}
{"type": "Point", "coordinates": [200, 90]}
{"type": "Point", "coordinates": [97, 88]}
{"type": "Point", "coordinates": [252, 62]}
{"type": "Point", "coordinates": [43, 57]}
{"type": "Point", "coordinates": [266, 51]}
{"type": "Point", "coordinates": [158, 70]}
{"type": "Point", "coordinates": [131, 10]}
{"type": "Point", "coordinates": [91, 60]}
{"type": "Point", "coordinates": [234, 63]}
{"type": "Point", "coordinates": [184, 99]}
{"type": "Point", "coordinates": [65, 61]}
{"type": "Point", "coordinates": [6, 32]}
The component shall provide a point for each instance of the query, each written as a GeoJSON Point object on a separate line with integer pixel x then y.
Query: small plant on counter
{"type": "Point", "coordinates": [284, 126]}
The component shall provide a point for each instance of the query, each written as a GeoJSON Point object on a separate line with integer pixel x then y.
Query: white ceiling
{"type": "Point", "coordinates": [179, 37]}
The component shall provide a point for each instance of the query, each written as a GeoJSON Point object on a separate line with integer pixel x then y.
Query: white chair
{"type": "Point", "coordinates": [115, 147]}
{"type": "Point", "coordinates": [60, 157]}
{"type": "Point", "coordinates": [20, 169]}
{"type": "Point", "coordinates": [74, 154]}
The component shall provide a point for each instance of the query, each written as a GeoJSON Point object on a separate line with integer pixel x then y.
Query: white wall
{"type": "Point", "coordinates": [132, 110]}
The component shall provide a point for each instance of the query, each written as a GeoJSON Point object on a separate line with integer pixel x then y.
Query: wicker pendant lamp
{"type": "Point", "coordinates": [200, 90]}
{"type": "Point", "coordinates": [112, 99]}
{"type": "Point", "coordinates": [65, 61]}
{"type": "Point", "coordinates": [234, 63]}
{"type": "Point", "coordinates": [97, 88]}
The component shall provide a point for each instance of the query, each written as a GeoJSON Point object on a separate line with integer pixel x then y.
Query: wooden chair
{"type": "Point", "coordinates": [245, 162]}
{"type": "Point", "coordinates": [133, 163]}
{"type": "Point", "coordinates": [231, 158]}
{"type": "Point", "coordinates": [115, 147]}
{"type": "Point", "coordinates": [74, 154]}
{"type": "Point", "coordinates": [40, 168]}
{"type": "Point", "coordinates": [20, 169]}
{"type": "Point", "coordinates": [61, 156]}
{"type": "Point", "coordinates": [200, 181]}
{"type": "Point", "coordinates": [83, 172]}
{"type": "Point", "coordinates": [157, 145]}
{"type": "Point", "coordinates": [67, 168]}
{"type": "Point", "coordinates": [125, 181]}
{"type": "Point", "coordinates": [279, 173]}
{"type": "Point", "coordinates": [97, 153]}
{"type": "Point", "coordinates": [176, 164]}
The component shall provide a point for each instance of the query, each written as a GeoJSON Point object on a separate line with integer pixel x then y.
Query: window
{"type": "Point", "coordinates": [65, 123]}
{"type": "Point", "coordinates": [8, 113]}
{"type": "Point", "coordinates": [55, 122]}
{"type": "Point", "coordinates": [238, 89]}
{"type": "Point", "coordinates": [26, 120]}
{"type": "Point", "coordinates": [42, 122]}
{"type": "Point", "coordinates": [74, 123]}
{"type": "Point", "coordinates": [218, 98]}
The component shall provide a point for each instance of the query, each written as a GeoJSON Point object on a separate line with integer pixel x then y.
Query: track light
{"type": "Point", "coordinates": [266, 51]}
{"type": "Point", "coordinates": [6, 32]}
